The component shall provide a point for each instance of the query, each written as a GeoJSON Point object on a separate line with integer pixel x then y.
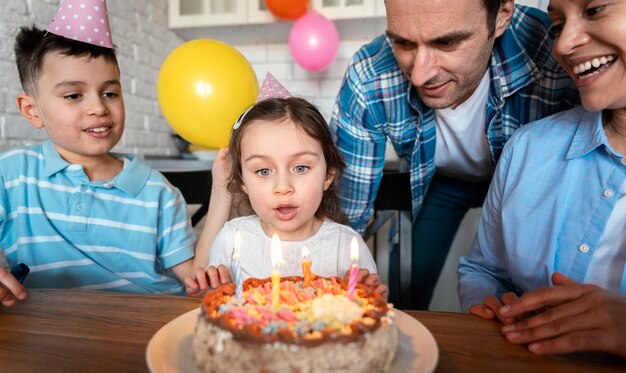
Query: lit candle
{"type": "Point", "coordinates": [354, 267]}
{"type": "Point", "coordinates": [236, 270]}
{"type": "Point", "coordinates": [306, 267]}
{"type": "Point", "coordinates": [276, 254]}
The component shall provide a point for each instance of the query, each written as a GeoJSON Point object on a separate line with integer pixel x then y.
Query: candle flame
{"type": "Point", "coordinates": [354, 249]}
{"type": "Point", "coordinates": [305, 252]}
{"type": "Point", "coordinates": [276, 252]}
{"type": "Point", "coordinates": [237, 245]}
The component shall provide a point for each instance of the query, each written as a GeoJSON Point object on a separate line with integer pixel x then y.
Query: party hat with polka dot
{"type": "Point", "coordinates": [83, 20]}
{"type": "Point", "coordinates": [272, 88]}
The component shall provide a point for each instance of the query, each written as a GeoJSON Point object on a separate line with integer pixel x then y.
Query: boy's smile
{"type": "Point", "coordinates": [79, 103]}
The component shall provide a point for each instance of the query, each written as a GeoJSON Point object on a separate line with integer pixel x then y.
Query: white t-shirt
{"type": "Point", "coordinates": [329, 250]}
{"type": "Point", "coordinates": [461, 149]}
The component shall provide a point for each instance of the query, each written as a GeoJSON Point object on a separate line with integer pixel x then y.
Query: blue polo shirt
{"type": "Point", "coordinates": [120, 235]}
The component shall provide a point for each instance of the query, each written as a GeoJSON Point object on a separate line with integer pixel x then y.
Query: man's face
{"type": "Point", "coordinates": [443, 47]}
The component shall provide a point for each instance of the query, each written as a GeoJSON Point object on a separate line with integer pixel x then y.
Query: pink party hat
{"type": "Point", "coordinates": [271, 88]}
{"type": "Point", "coordinates": [83, 20]}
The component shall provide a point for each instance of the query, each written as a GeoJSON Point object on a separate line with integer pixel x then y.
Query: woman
{"type": "Point", "coordinates": [555, 213]}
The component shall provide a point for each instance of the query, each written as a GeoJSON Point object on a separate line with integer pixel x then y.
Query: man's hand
{"type": "Point", "coordinates": [568, 317]}
{"type": "Point", "coordinates": [10, 289]}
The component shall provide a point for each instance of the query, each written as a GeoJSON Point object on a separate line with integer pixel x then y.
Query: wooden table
{"type": "Point", "coordinates": [83, 331]}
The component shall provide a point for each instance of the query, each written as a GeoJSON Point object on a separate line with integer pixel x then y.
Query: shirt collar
{"type": "Point", "coordinates": [133, 177]}
{"type": "Point", "coordinates": [511, 67]}
{"type": "Point", "coordinates": [130, 180]}
{"type": "Point", "coordinates": [53, 162]}
{"type": "Point", "coordinates": [589, 134]}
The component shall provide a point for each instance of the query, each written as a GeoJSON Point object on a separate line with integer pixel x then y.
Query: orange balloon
{"type": "Point", "coordinates": [287, 9]}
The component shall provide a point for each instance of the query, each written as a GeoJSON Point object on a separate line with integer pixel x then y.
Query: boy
{"type": "Point", "coordinates": [77, 215]}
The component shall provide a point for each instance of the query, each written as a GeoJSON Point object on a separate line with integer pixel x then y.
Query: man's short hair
{"type": "Point", "coordinates": [492, 7]}
{"type": "Point", "coordinates": [32, 45]}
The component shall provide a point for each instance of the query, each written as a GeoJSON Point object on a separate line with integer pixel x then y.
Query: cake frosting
{"type": "Point", "coordinates": [314, 328]}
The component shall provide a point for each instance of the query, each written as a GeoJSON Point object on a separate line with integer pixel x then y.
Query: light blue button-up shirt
{"type": "Point", "coordinates": [555, 187]}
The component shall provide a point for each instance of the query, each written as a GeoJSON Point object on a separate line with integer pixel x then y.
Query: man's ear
{"type": "Point", "coordinates": [27, 105]}
{"type": "Point", "coordinates": [504, 17]}
{"type": "Point", "coordinates": [330, 177]}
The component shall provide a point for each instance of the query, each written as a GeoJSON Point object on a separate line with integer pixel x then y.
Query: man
{"type": "Point", "coordinates": [447, 85]}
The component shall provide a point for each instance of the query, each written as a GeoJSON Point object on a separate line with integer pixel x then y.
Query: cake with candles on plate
{"type": "Point", "coordinates": [306, 324]}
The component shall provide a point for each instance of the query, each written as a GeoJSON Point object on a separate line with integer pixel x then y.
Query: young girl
{"type": "Point", "coordinates": [285, 163]}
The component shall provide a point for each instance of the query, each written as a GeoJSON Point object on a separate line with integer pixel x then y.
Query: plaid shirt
{"type": "Point", "coordinates": [376, 102]}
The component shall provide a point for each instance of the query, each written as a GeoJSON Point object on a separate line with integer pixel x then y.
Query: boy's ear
{"type": "Point", "coordinates": [330, 177]}
{"type": "Point", "coordinates": [27, 105]}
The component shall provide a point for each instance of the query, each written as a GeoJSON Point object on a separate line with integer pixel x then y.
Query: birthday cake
{"type": "Point", "coordinates": [317, 326]}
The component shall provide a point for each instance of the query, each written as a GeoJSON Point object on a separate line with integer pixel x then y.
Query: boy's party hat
{"type": "Point", "coordinates": [83, 20]}
{"type": "Point", "coordinates": [271, 88]}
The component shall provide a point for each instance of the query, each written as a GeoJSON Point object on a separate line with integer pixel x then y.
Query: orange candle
{"type": "Point", "coordinates": [306, 267]}
{"type": "Point", "coordinates": [276, 254]}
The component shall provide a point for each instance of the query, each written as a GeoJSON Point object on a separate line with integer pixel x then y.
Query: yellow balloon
{"type": "Point", "coordinates": [202, 88]}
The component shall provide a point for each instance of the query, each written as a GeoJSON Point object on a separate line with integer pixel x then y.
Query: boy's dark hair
{"type": "Point", "coordinates": [307, 118]}
{"type": "Point", "coordinates": [32, 45]}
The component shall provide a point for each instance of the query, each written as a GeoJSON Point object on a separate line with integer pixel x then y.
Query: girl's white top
{"type": "Point", "coordinates": [329, 250]}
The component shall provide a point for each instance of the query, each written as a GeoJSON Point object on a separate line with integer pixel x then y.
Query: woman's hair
{"type": "Point", "coordinates": [32, 45]}
{"type": "Point", "coordinates": [307, 118]}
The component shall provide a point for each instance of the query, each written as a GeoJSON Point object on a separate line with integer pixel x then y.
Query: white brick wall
{"type": "Point", "coordinates": [266, 48]}
{"type": "Point", "coordinates": [143, 41]}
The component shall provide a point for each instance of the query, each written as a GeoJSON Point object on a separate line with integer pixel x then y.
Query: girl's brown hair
{"type": "Point", "coordinates": [306, 117]}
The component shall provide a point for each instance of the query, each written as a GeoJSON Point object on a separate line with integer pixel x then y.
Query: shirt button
{"type": "Point", "coordinates": [583, 248]}
{"type": "Point", "coordinates": [608, 193]}
{"type": "Point", "coordinates": [79, 206]}
{"type": "Point", "coordinates": [83, 188]}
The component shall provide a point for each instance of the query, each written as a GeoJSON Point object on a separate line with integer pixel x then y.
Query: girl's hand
{"type": "Point", "coordinates": [371, 281]}
{"type": "Point", "coordinates": [209, 279]}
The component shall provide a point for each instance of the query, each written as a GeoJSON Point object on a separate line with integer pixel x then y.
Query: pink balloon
{"type": "Point", "coordinates": [313, 41]}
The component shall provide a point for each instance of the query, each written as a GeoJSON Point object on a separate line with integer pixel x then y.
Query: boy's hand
{"type": "Point", "coordinates": [10, 289]}
{"type": "Point", "coordinates": [371, 281]}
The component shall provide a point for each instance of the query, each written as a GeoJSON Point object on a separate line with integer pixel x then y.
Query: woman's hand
{"type": "Point", "coordinates": [568, 317]}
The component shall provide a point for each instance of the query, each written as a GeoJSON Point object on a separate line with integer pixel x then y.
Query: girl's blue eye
{"type": "Point", "coordinates": [263, 172]}
{"type": "Point", "coordinates": [300, 169]}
